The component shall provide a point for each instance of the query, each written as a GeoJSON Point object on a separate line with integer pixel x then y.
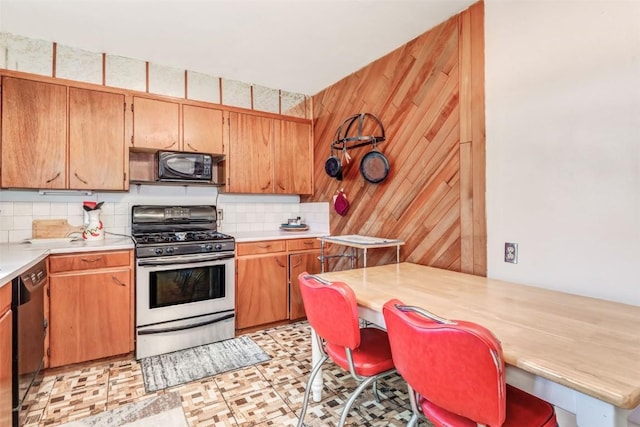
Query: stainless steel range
{"type": "Point", "coordinates": [185, 278]}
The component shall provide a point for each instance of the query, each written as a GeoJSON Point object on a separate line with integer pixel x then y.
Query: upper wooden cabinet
{"type": "Point", "coordinates": [156, 124]}
{"type": "Point", "coordinates": [35, 140]}
{"type": "Point", "coordinates": [251, 140]}
{"type": "Point", "coordinates": [293, 159]}
{"type": "Point", "coordinates": [96, 140]}
{"type": "Point", "coordinates": [166, 125]}
{"type": "Point", "coordinates": [269, 156]}
{"type": "Point", "coordinates": [202, 129]}
{"type": "Point", "coordinates": [34, 134]}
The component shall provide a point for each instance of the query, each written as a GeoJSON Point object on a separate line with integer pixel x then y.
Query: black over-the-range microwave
{"type": "Point", "coordinates": [183, 166]}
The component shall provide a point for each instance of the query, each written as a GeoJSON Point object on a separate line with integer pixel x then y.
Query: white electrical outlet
{"type": "Point", "coordinates": [220, 215]}
{"type": "Point", "coordinates": [511, 252]}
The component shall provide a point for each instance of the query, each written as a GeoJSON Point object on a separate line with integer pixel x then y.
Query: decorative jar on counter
{"type": "Point", "coordinates": [94, 229]}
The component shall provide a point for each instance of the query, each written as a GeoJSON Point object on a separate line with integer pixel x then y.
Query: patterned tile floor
{"type": "Point", "coordinates": [268, 394]}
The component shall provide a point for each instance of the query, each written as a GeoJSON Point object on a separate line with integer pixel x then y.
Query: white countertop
{"type": "Point", "coordinates": [256, 236]}
{"type": "Point", "coordinates": [15, 258]}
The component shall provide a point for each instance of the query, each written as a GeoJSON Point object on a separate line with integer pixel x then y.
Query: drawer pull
{"type": "Point", "coordinates": [308, 243]}
{"type": "Point", "coordinates": [264, 246]}
{"type": "Point", "coordinates": [117, 282]}
{"type": "Point", "coordinates": [88, 260]}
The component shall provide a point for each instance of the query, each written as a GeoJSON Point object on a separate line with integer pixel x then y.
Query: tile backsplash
{"type": "Point", "coordinates": [16, 217]}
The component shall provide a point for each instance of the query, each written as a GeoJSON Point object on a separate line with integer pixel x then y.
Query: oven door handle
{"type": "Point", "coordinates": [175, 261]}
{"type": "Point", "coordinates": [182, 328]}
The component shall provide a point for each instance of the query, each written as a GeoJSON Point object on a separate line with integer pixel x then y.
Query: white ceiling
{"type": "Point", "coordinates": [301, 46]}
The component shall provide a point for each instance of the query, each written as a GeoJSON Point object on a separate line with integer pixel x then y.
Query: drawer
{"type": "Point", "coordinates": [264, 247]}
{"type": "Point", "coordinates": [89, 261]}
{"type": "Point", "coordinates": [5, 298]}
{"type": "Point", "coordinates": [302, 244]}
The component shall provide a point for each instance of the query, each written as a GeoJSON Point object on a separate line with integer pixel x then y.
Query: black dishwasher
{"type": "Point", "coordinates": [29, 331]}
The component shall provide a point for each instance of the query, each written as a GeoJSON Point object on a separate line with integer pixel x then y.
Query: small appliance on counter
{"type": "Point", "coordinates": [294, 224]}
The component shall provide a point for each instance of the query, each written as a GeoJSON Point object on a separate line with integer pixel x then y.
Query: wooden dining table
{"type": "Point", "coordinates": [581, 354]}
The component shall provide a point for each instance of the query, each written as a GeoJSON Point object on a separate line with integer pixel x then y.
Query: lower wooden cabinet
{"type": "Point", "coordinates": [303, 256]}
{"type": "Point", "coordinates": [90, 307]}
{"type": "Point", "coordinates": [266, 280]}
{"type": "Point", "coordinates": [261, 283]}
{"type": "Point", "coordinates": [6, 319]}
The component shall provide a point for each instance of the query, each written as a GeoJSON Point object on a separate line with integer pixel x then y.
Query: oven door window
{"type": "Point", "coordinates": [180, 286]}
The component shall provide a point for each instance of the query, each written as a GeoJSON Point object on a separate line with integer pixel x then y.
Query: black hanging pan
{"type": "Point", "coordinates": [374, 166]}
{"type": "Point", "coordinates": [333, 166]}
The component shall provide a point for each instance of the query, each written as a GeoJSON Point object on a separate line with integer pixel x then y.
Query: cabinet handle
{"type": "Point", "coordinates": [83, 181]}
{"type": "Point", "coordinates": [117, 282]}
{"type": "Point", "coordinates": [193, 149]}
{"type": "Point", "coordinates": [279, 263]}
{"type": "Point", "coordinates": [264, 246]}
{"type": "Point", "coordinates": [91, 260]}
{"type": "Point", "coordinates": [280, 186]}
{"type": "Point", "coordinates": [171, 145]}
{"type": "Point", "coordinates": [266, 186]}
{"type": "Point", "coordinates": [307, 243]}
{"type": "Point", "coordinates": [54, 178]}
{"type": "Point", "coordinates": [297, 263]}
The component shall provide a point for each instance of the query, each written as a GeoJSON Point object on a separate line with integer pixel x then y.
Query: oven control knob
{"type": "Point", "coordinates": [218, 247]}
{"type": "Point", "coordinates": [208, 247]}
{"type": "Point", "coordinates": [169, 250]}
{"type": "Point", "coordinates": [158, 251]}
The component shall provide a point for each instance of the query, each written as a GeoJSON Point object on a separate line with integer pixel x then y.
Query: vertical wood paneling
{"type": "Point", "coordinates": [429, 98]}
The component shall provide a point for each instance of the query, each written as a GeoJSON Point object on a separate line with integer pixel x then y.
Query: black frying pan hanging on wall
{"type": "Point", "coordinates": [374, 166]}
{"type": "Point", "coordinates": [333, 166]}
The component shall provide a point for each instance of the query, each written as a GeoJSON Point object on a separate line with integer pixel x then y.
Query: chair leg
{"type": "Point", "coordinates": [352, 399]}
{"type": "Point", "coordinates": [413, 421]}
{"type": "Point", "coordinates": [375, 390]}
{"type": "Point", "coordinates": [307, 391]}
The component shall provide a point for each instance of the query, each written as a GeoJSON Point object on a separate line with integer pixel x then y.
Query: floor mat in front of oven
{"type": "Point", "coordinates": [183, 366]}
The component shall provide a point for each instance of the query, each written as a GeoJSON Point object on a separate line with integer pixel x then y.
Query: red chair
{"type": "Point", "coordinates": [332, 312]}
{"type": "Point", "coordinates": [455, 373]}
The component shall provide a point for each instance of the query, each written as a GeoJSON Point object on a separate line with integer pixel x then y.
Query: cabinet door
{"type": "Point", "coordinates": [261, 290]}
{"type": "Point", "coordinates": [156, 124]}
{"type": "Point", "coordinates": [34, 134]}
{"type": "Point", "coordinates": [89, 316]}
{"type": "Point", "coordinates": [299, 263]}
{"type": "Point", "coordinates": [96, 140]}
{"type": "Point", "coordinates": [250, 153]}
{"type": "Point", "coordinates": [5, 368]}
{"type": "Point", "coordinates": [202, 129]}
{"type": "Point", "coordinates": [293, 159]}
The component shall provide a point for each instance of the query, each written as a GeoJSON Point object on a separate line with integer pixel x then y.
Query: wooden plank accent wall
{"type": "Point", "coordinates": [429, 95]}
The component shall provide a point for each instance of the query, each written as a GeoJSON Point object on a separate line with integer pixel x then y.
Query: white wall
{"type": "Point", "coordinates": [563, 144]}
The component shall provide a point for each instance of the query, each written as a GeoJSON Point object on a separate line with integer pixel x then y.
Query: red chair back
{"type": "Point", "coordinates": [457, 366]}
{"type": "Point", "coordinates": [332, 310]}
